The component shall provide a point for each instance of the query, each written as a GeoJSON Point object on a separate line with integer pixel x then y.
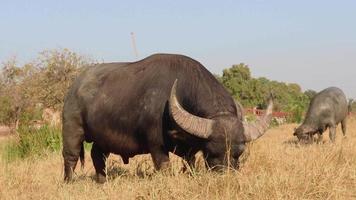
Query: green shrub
{"type": "Point", "coordinates": [34, 142]}
{"type": "Point", "coordinates": [250, 117]}
{"type": "Point", "coordinates": [297, 108]}
{"type": "Point", "coordinates": [10, 150]}
{"type": "Point", "coordinates": [274, 123]}
{"type": "Point", "coordinates": [6, 110]}
{"type": "Point", "coordinates": [29, 114]}
{"type": "Point", "coordinates": [297, 115]}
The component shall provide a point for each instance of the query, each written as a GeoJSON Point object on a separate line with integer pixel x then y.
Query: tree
{"type": "Point", "coordinates": [57, 70]}
{"type": "Point", "coordinates": [237, 80]}
{"type": "Point", "coordinates": [251, 92]}
{"type": "Point", "coordinates": [14, 96]}
{"type": "Point", "coordinates": [44, 81]}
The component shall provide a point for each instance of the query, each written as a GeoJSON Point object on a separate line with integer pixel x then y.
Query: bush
{"type": "Point", "coordinates": [6, 112]}
{"type": "Point", "coordinates": [43, 81]}
{"type": "Point", "coordinates": [251, 92]}
{"type": "Point", "coordinates": [34, 142]}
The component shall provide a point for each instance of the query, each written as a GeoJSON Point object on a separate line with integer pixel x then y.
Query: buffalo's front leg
{"type": "Point", "coordinates": [159, 153]}
{"type": "Point", "coordinates": [189, 156]}
{"type": "Point", "coordinates": [160, 158]}
{"type": "Point", "coordinates": [99, 157]}
{"type": "Point", "coordinates": [190, 159]}
{"type": "Point", "coordinates": [320, 137]}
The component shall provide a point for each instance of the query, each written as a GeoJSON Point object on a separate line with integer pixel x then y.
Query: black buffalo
{"type": "Point", "coordinates": [327, 109]}
{"type": "Point", "coordinates": [163, 103]}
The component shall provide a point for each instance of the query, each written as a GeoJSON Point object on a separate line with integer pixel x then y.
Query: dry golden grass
{"type": "Point", "coordinates": [274, 167]}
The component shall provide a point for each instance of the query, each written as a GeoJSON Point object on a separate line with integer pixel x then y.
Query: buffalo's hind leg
{"type": "Point", "coordinates": [343, 126]}
{"type": "Point", "coordinates": [332, 133]}
{"type": "Point", "coordinates": [99, 158]}
{"type": "Point", "coordinates": [73, 137]}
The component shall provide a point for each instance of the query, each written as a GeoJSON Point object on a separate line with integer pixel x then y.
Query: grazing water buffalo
{"type": "Point", "coordinates": [326, 110]}
{"type": "Point", "coordinates": [163, 103]}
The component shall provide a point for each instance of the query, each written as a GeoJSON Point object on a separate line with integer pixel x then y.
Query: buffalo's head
{"type": "Point", "coordinates": [224, 135]}
{"type": "Point", "coordinates": [304, 133]}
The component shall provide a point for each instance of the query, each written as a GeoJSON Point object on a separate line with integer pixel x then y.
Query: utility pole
{"type": "Point", "coordinates": [134, 44]}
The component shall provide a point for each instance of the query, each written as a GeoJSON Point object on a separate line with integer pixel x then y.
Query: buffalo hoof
{"type": "Point", "coordinates": [99, 178]}
{"type": "Point", "coordinates": [165, 166]}
{"type": "Point", "coordinates": [68, 180]}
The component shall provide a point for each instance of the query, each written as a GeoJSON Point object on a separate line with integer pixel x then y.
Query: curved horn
{"type": "Point", "coordinates": [192, 124]}
{"type": "Point", "coordinates": [256, 129]}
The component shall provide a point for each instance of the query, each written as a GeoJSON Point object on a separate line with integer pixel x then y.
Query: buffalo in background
{"type": "Point", "coordinates": [327, 109]}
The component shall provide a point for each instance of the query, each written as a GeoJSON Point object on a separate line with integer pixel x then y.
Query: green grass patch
{"type": "Point", "coordinates": [35, 142]}
{"type": "Point", "coordinates": [87, 146]}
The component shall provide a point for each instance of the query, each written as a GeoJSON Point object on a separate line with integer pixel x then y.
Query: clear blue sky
{"type": "Point", "coordinates": [310, 42]}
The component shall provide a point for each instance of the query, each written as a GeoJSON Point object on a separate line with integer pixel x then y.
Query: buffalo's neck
{"type": "Point", "coordinates": [210, 99]}
{"type": "Point", "coordinates": [311, 124]}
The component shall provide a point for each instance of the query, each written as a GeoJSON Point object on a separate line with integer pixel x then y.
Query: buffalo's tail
{"type": "Point", "coordinates": [351, 101]}
{"type": "Point", "coordinates": [81, 155]}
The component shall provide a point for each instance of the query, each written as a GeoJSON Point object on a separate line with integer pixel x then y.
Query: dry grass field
{"type": "Point", "coordinates": [274, 167]}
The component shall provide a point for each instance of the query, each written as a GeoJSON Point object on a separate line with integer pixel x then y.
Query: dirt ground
{"type": "Point", "coordinates": [4, 131]}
